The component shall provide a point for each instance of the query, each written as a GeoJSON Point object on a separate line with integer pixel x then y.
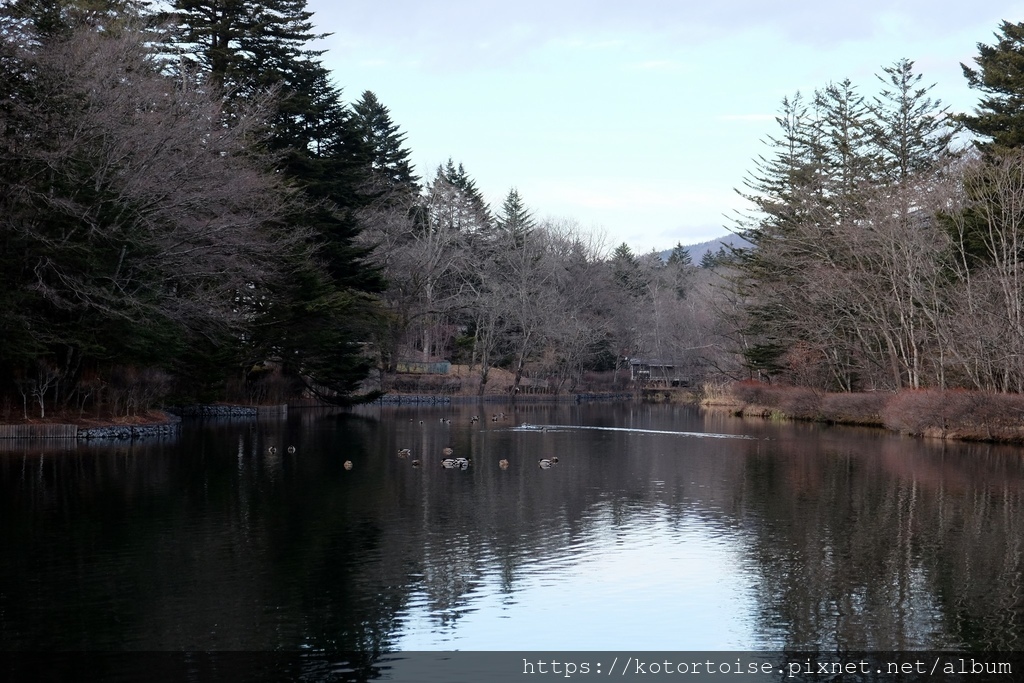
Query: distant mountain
{"type": "Point", "coordinates": [697, 251]}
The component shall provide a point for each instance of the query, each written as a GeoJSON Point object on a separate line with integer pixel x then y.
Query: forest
{"type": "Point", "coordinates": [191, 211]}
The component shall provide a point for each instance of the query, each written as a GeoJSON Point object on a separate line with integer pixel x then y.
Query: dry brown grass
{"type": "Point", "coordinates": [954, 414]}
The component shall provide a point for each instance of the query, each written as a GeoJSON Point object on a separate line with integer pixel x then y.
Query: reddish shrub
{"type": "Point", "coordinates": [861, 409]}
{"type": "Point", "coordinates": [751, 392]}
{"type": "Point", "coordinates": [961, 414]}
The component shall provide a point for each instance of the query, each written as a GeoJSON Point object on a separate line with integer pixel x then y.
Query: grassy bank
{"type": "Point", "coordinates": [955, 414]}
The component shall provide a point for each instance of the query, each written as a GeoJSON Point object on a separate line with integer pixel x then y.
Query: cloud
{"type": "Point", "coordinates": [450, 35]}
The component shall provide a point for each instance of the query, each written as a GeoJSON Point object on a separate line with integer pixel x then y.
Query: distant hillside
{"type": "Point", "coordinates": [697, 251]}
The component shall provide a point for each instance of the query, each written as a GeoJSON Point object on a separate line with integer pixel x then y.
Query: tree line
{"type": "Point", "coordinates": [191, 211]}
{"type": "Point", "coordinates": [884, 254]}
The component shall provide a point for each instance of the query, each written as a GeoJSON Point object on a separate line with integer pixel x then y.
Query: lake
{"type": "Point", "coordinates": [660, 527]}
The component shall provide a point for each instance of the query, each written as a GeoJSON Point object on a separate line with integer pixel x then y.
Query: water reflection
{"type": "Point", "coordinates": [638, 537]}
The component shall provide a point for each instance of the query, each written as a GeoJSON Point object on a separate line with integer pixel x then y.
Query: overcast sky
{"type": "Point", "coordinates": [634, 118]}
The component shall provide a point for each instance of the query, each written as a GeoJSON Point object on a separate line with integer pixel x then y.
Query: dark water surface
{"type": "Point", "coordinates": [659, 528]}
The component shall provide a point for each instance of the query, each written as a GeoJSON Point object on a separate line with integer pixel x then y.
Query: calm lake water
{"type": "Point", "coordinates": [659, 528]}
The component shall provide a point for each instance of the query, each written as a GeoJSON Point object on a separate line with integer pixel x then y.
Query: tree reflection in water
{"type": "Point", "coordinates": [805, 536]}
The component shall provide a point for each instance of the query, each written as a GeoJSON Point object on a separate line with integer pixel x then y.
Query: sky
{"type": "Point", "coordinates": [636, 120]}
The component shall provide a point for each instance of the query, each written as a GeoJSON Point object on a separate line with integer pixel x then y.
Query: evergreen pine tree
{"type": "Point", "coordinates": [850, 163]}
{"type": "Point", "coordinates": [389, 158]}
{"type": "Point", "coordinates": [457, 176]}
{"type": "Point", "coordinates": [1000, 77]}
{"type": "Point", "coordinates": [788, 191]}
{"type": "Point", "coordinates": [680, 256]}
{"type": "Point", "coordinates": [626, 271]}
{"type": "Point", "coordinates": [515, 223]}
{"type": "Point", "coordinates": [911, 130]}
{"type": "Point", "coordinates": [679, 269]}
{"type": "Point", "coordinates": [314, 325]}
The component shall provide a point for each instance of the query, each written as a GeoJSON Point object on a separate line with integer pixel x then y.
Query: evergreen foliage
{"type": "Point", "coordinates": [105, 266]}
{"type": "Point", "coordinates": [680, 256]}
{"type": "Point", "coordinates": [999, 76]}
{"type": "Point", "coordinates": [318, 319]}
{"type": "Point", "coordinates": [835, 178]}
{"type": "Point", "coordinates": [515, 222]}
{"type": "Point", "coordinates": [911, 131]}
{"type": "Point", "coordinates": [389, 158]}
{"type": "Point", "coordinates": [457, 176]}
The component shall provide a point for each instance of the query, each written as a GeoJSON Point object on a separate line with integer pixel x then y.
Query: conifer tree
{"type": "Point", "coordinates": [850, 163]}
{"type": "Point", "coordinates": [457, 176]}
{"type": "Point", "coordinates": [317, 321]}
{"type": "Point", "coordinates": [389, 158]}
{"type": "Point", "coordinates": [679, 269]}
{"type": "Point", "coordinates": [626, 271]}
{"type": "Point", "coordinates": [515, 223]}
{"type": "Point", "coordinates": [680, 256]}
{"type": "Point", "coordinates": [132, 220]}
{"type": "Point", "coordinates": [788, 191]}
{"type": "Point", "coordinates": [911, 130]}
{"type": "Point", "coordinates": [999, 76]}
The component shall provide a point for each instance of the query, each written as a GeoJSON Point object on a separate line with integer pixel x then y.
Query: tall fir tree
{"type": "Point", "coordinates": [316, 324]}
{"type": "Point", "coordinates": [999, 76]}
{"type": "Point", "coordinates": [788, 192]}
{"type": "Point", "coordinates": [911, 130]}
{"type": "Point", "coordinates": [390, 168]}
{"type": "Point", "coordinates": [515, 222]}
{"type": "Point", "coordinates": [850, 163]}
{"type": "Point", "coordinates": [460, 178]}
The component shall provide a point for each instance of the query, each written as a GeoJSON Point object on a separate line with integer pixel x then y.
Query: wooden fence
{"type": "Point", "coordinates": [272, 411]}
{"type": "Point", "coordinates": [41, 431]}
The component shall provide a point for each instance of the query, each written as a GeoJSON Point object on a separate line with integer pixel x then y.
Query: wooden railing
{"type": "Point", "coordinates": [40, 431]}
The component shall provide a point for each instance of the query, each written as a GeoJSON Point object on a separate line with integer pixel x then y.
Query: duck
{"type": "Point", "coordinates": [347, 464]}
{"type": "Point", "coordinates": [448, 463]}
{"type": "Point", "coordinates": [404, 453]}
{"type": "Point", "coordinates": [474, 419]}
{"type": "Point", "coordinates": [448, 451]}
{"type": "Point", "coordinates": [544, 463]}
{"type": "Point", "coordinates": [415, 463]}
{"type": "Point", "coordinates": [272, 450]}
{"type": "Point", "coordinates": [462, 462]}
{"type": "Point", "coordinates": [291, 449]}
{"type": "Point", "coordinates": [503, 464]}
{"type": "Point", "coordinates": [553, 459]}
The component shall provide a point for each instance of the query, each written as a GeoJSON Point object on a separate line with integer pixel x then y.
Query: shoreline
{"type": "Point", "coordinates": [167, 422]}
{"type": "Point", "coordinates": [153, 424]}
{"type": "Point", "coordinates": [952, 414]}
